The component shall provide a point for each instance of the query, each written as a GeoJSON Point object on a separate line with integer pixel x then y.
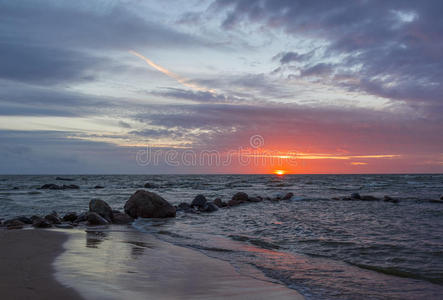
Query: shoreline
{"type": "Point", "coordinates": [26, 265]}
{"type": "Point", "coordinates": [116, 263]}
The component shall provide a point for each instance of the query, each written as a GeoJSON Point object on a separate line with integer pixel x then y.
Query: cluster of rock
{"type": "Point", "coordinates": [52, 186]}
{"type": "Point", "coordinates": [358, 197]}
{"type": "Point", "coordinates": [201, 204]}
{"type": "Point", "coordinates": [142, 204]}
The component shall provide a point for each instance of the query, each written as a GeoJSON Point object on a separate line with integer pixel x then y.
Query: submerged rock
{"type": "Point", "coordinates": [355, 196]}
{"type": "Point", "coordinates": [102, 208]}
{"type": "Point", "coordinates": [255, 199]}
{"type": "Point", "coordinates": [99, 187]}
{"type": "Point", "coordinates": [70, 217]}
{"type": "Point", "coordinates": [95, 219]}
{"type": "Point", "coordinates": [64, 179]}
{"type": "Point", "coordinates": [238, 198]}
{"type": "Point", "coordinates": [183, 206]}
{"type": "Point", "coordinates": [122, 218]}
{"type": "Point", "coordinates": [150, 185]}
{"type": "Point", "coordinates": [199, 201]}
{"type": "Point", "coordinates": [390, 199]}
{"type": "Point", "coordinates": [144, 204]}
{"type": "Point", "coordinates": [369, 198]}
{"type": "Point", "coordinates": [288, 196]}
{"type": "Point", "coordinates": [70, 187]}
{"type": "Point", "coordinates": [51, 186]}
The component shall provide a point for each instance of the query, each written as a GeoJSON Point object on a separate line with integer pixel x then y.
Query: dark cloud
{"type": "Point", "coordinates": [288, 57]}
{"type": "Point", "coordinates": [393, 48]}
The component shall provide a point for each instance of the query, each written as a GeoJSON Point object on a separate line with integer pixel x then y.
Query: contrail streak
{"type": "Point", "coordinates": [181, 80]}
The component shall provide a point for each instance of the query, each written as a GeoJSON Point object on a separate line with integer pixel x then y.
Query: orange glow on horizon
{"type": "Point", "coordinates": [279, 172]}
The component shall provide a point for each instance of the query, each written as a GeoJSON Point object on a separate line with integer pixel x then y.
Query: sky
{"type": "Point", "coordinates": [221, 86]}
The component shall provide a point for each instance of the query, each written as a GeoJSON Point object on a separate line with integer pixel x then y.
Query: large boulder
{"type": "Point", "coordinates": [95, 219]}
{"type": "Point", "coordinates": [83, 217]}
{"type": "Point", "coordinates": [122, 218]}
{"type": "Point", "coordinates": [199, 201]}
{"type": "Point", "coordinates": [53, 218]}
{"type": "Point", "coordinates": [144, 204]}
{"type": "Point", "coordinates": [209, 207]}
{"type": "Point", "coordinates": [24, 219]}
{"type": "Point", "coordinates": [13, 224]}
{"type": "Point", "coordinates": [238, 198]}
{"type": "Point", "coordinates": [102, 208]}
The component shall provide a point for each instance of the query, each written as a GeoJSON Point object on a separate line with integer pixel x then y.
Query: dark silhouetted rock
{"type": "Point", "coordinates": [144, 204]}
{"type": "Point", "coordinates": [369, 198]}
{"type": "Point", "coordinates": [255, 199]}
{"type": "Point", "coordinates": [64, 179]}
{"type": "Point", "coordinates": [436, 201]}
{"type": "Point", "coordinates": [41, 223]}
{"type": "Point", "coordinates": [70, 187]}
{"type": "Point", "coordinates": [95, 219]}
{"type": "Point", "coordinates": [83, 217]}
{"type": "Point", "coordinates": [288, 196]}
{"type": "Point", "coordinates": [122, 218]}
{"type": "Point", "coordinates": [390, 199]}
{"type": "Point", "coordinates": [50, 186]}
{"type": "Point", "coordinates": [70, 217]}
{"type": "Point", "coordinates": [355, 196]}
{"type": "Point", "coordinates": [150, 185]}
{"type": "Point", "coordinates": [99, 187]}
{"type": "Point", "coordinates": [220, 203]}
{"type": "Point", "coordinates": [53, 219]}
{"type": "Point", "coordinates": [199, 201]}
{"type": "Point", "coordinates": [24, 219]}
{"type": "Point", "coordinates": [209, 207]}
{"type": "Point", "coordinates": [14, 224]}
{"type": "Point", "coordinates": [238, 198]}
{"type": "Point", "coordinates": [102, 208]}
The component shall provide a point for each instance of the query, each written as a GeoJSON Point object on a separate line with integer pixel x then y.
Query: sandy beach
{"type": "Point", "coordinates": [26, 270]}
{"type": "Point", "coordinates": [118, 264]}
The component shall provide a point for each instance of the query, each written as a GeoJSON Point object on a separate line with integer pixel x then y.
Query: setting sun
{"type": "Point", "coordinates": [279, 172]}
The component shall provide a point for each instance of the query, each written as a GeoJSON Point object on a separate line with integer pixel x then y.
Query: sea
{"type": "Point", "coordinates": [320, 246]}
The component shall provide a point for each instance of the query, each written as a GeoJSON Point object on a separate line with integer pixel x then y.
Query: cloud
{"type": "Point", "coordinates": [392, 49]}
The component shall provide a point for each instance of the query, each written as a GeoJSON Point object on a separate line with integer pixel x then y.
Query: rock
{"type": "Point", "coordinates": [220, 203]}
{"type": "Point", "coordinates": [255, 199]}
{"type": "Point", "coordinates": [14, 224]}
{"type": "Point", "coordinates": [99, 187]}
{"type": "Point", "coordinates": [144, 204]}
{"type": "Point", "coordinates": [199, 201]}
{"type": "Point", "coordinates": [41, 223]}
{"type": "Point", "coordinates": [441, 197]}
{"type": "Point", "coordinates": [355, 196]}
{"type": "Point", "coordinates": [114, 211]}
{"type": "Point", "coordinates": [435, 201]}
{"type": "Point", "coordinates": [390, 199]}
{"type": "Point", "coordinates": [53, 219]}
{"type": "Point", "coordinates": [64, 179]}
{"type": "Point", "coordinates": [288, 196]}
{"type": "Point", "coordinates": [70, 187]}
{"type": "Point", "coordinates": [102, 208]}
{"type": "Point", "coordinates": [70, 217]}
{"type": "Point", "coordinates": [95, 219]}
{"type": "Point", "coordinates": [369, 198]}
{"type": "Point", "coordinates": [209, 207]}
{"type": "Point", "coordinates": [64, 226]}
{"type": "Point", "coordinates": [83, 217]}
{"type": "Point", "coordinates": [50, 186]}
{"type": "Point", "coordinates": [24, 219]}
{"type": "Point", "coordinates": [238, 198]}
{"type": "Point", "coordinates": [183, 206]}
{"type": "Point", "coordinates": [150, 185]}
{"type": "Point", "coordinates": [122, 218]}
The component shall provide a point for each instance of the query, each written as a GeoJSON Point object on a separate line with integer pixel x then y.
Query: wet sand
{"type": "Point", "coordinates": [118, 263]}
{"type": "Point", "coordinates": [26, 270]}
